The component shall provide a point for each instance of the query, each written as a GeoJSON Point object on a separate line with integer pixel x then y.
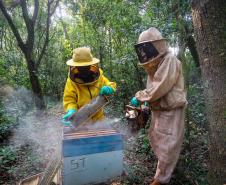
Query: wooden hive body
{"type": "Point", "coordinates": [90, 157]}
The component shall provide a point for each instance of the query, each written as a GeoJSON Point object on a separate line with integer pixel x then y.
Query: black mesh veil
{"type": "Point", "coordinates": [146, 51]}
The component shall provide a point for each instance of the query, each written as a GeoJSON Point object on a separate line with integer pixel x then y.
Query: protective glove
{"type": "Point", "coordinates": [134, 102]}
{"type": "Point", "coordinates": [65, 120]}
{"type": "Point", "coordinates": [106, 90]}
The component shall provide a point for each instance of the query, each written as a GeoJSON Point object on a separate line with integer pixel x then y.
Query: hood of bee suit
{"type": "Point", "coordinates": [153, 37]}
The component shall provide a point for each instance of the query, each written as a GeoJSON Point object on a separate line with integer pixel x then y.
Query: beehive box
{"type": "Point", "coordinates": [90, 157]}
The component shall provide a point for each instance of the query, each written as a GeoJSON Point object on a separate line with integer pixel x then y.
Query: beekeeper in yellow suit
{"type": "Point", "coordinates": [167, 99]}
{"type": "Point", "coordinates": [85, 81]}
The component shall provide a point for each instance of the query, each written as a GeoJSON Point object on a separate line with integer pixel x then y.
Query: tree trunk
{"type": "Point", "coordinates": [192, 48]}
{"type": "Point", "coordinates": [110, 54]}
{"type": "Point", "coordinates": [185, 34]}
{"type": "Point", "coordinates": [35, 84]}
{"type": "Point", "coordinates": [101, 55]}
{"type": "Point", "coordinates": [210, 28]}
{"type": "Point", "coordinates": [28, 47]}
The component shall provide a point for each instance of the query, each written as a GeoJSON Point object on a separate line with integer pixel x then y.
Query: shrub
{"type": "Point", "coordinates": [6, 124]}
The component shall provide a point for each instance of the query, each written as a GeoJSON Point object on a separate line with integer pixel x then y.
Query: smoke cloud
{"type": "Point", "coordinates": [40, 130]}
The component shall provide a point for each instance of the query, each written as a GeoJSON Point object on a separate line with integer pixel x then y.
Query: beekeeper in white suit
{"type": "Point", "coordinates": [167, 98]}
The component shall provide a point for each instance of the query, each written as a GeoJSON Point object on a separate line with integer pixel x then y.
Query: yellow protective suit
{"type": "Point", "coordinates": [76, 95]}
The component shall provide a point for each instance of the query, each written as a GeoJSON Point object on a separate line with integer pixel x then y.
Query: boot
{"type": "Point", "coordinates": [155, 182]}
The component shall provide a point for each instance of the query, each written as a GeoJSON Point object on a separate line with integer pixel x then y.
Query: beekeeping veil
{"type": "Point", "coordinates": [151, 46]}
{"type": "Point", "coordinates": [83, 67]}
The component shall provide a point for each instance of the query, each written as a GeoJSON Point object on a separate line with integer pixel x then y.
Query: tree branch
{"type": "Point", "coordinates": [14, 4]}
{"type": "Point", "coordinates": [49, 14]}
{"type": "Point", "coordinates": [23, 5]}
{"type": "Point", "coordinates": [54, 7]}
{"type": "Point", "coordinates": [63, 25]}
{"type": "Point", "coordinates": [36, 7]}
{"type": "Point", "coordinates": [191, 44]}
{"type": "Point", "coordinates": [13, 27]}
{"type": "Point", "coordinates": [30, 23]}
{"type": "Point", "coordinates": [47, 35]}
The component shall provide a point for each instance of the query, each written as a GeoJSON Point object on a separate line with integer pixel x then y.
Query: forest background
{"type": "Point", "coordinates": [37, 38]}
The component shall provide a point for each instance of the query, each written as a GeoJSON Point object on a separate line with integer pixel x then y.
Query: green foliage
{"type": "Point", "coordinates": [194, 155]}
{"type": "Point", "coordinates": [104, 26]}
{"type": "Point", "coordinates": [67, 50]}
{"type": "Point", "coordinates": [53, 72]}
{"type": "Point", "coordinates": [3, 73]}
{"type": "Point", "coordinates": [115, 32]}
{"type": "Point", "coordinates": [134, 175]}
{"type": "Point", "coordinates": [143, 142]}
{"type": "Point", "coordinates": [6, 124]}
{"type": "Point", "coordinates": [18, 163]}
{"type": "Point", "coordinates": [195, 96]}
{"type": "Point", "coordinates": [7, 157]}
{"type": "Point", "coordinates": [13, 68]}
{"type": "Point", "coordinates": [196, 104]}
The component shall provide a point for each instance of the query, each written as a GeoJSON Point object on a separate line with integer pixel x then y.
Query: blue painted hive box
{"type": "Point", "coordinates": [92, 156]}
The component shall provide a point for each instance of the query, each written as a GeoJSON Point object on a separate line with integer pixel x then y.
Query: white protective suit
{"type": "Point", "coordinates": [166, 95]}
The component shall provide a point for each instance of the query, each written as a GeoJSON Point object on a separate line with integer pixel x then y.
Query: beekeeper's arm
{"type": "Point", "coordinates": [108, 87]}
{"type": "Point", "coordinates": [164, 79]}
{"type": "Point", "coordinates": [70, 97]}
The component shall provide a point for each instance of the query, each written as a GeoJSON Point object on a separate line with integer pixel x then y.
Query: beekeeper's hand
{"type": "Point", "coordinates": [134, 102]}
{"type": "Point", "coordinates": [106, 90]}
{"type": "Point", "coordinates": [65, 122]}
{"type": "Point", "coordinates": [65, 118]}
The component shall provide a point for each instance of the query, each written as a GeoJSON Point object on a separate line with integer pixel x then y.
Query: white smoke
{"type": "Point", "coordinates": [40, 130]}
{"type": "Point", "coordinates": [18, 102]}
